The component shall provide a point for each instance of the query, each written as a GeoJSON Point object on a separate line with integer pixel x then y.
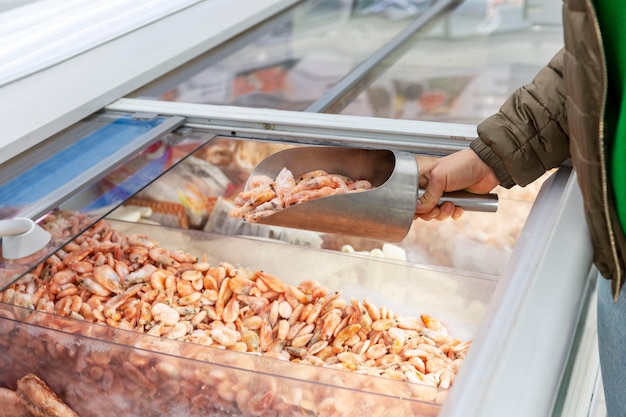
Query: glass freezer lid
{"type": "Point", "coordinates": [36, 181]}
{"type": "Point", "coordinates": [289, 62]}
{"type": "Point", "coordinates": [80, 175]}
{"type": "Point", "coordinates": [461, 72]}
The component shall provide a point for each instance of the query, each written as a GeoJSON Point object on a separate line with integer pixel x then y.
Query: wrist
{"type": "Point", "coordinates": [493, 162]}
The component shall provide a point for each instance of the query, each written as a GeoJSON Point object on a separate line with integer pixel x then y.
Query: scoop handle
{"type": "Point", "coordinates": [487, 203]}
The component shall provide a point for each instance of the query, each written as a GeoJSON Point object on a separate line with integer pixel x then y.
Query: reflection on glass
{"type": "Point", "coordinates": [97, 200]}
{"type": "Point", "coordinates": [186, 196]}
{"type": "Point", "coordinates": [130, 178]}
{"type": "Point", "coordinates": [289, 62]}
{"type": "Point", "coordinates": [67, 158]}
{"type": "Point", "coordinates": [135, 179]}
{"type": "Point", "coordinates": [463, 70]}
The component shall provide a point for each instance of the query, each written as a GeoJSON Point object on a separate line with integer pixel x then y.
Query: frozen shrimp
{"type": "Point", "coordinates": [265, 196]}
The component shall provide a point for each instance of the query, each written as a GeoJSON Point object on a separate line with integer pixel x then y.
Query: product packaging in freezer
{"type": "Point", "coordinates": [125, 371]}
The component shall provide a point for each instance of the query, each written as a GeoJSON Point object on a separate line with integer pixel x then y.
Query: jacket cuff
{"type": "Point", "coordinates": [485, 153]}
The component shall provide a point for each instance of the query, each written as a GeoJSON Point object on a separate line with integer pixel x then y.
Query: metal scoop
{"type": "Point", "coordinates": [384, 212]}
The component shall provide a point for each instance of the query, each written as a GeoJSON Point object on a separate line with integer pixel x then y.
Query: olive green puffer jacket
{"type": "Point", "coordinates": [559, 115]}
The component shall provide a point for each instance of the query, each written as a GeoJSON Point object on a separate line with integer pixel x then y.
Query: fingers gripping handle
{"type": "Point", "coordinates": [487, 203]}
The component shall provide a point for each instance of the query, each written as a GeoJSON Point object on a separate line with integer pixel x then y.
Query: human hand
{"type": "Point", "coordinates": [462, 170]}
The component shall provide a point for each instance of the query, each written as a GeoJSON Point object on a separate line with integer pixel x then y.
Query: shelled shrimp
{"type": "Point", "coordinates": [265, 196]}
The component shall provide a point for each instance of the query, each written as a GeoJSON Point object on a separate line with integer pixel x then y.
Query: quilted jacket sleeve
{"type": "Point", "coordinates": [529, 134]}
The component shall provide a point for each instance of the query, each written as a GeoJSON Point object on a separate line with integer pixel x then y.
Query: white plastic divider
{"type": "Point", "coordinates": [44, 33]}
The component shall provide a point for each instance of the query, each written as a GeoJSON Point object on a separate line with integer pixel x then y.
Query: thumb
{"type": "Point", "coordinates": [428, 200]}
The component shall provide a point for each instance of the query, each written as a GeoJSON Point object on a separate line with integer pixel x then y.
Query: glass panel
{"type": "Point", "coordinates": [39, 174]}
{"type": "Point", "coordinates": [142, 169]}
{"type": "Point", "coordinates": [75, 153]}
{"type": "Point", "coordinates": [289, 62]}
{"type": "Point", "coordinates": [463, 70]}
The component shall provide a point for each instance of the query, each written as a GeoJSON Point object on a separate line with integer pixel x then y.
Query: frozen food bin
{"type": "Point", "coordinates": [101, 371]}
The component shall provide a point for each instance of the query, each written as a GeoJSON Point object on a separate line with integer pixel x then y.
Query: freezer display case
{"type": "Point", "coordinates": [469, 303]}
{"type": "Point", "coordinates": [149, 299]}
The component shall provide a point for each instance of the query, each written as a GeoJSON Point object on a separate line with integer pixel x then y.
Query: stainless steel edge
{"type": "Point", "coordinates": [519, 354]}
{"type": "Point", "coordinates": [40, 105]}
{"type": "Point", "coordinates": [312, 128]}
